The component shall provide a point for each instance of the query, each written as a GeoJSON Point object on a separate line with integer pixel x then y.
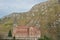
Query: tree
{"type": "Point", "coordinates": [40, 39]}
{"type": "Point", "coordinates": [45, 38]}
{"type": "Point", "coordinates": [9, 34]}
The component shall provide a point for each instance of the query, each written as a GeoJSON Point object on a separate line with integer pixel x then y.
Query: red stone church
{"type": "Point", "coordinates": [25, 32]}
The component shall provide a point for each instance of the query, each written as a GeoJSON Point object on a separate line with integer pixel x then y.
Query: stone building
{"type": "Point", "coordinates": [25, 32]}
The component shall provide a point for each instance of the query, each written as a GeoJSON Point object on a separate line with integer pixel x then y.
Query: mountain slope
{"type": "Point", "coordinates": [45, 16]}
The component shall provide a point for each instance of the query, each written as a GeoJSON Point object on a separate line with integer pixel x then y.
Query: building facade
{"type": "Point", "coordinates": [24, 32]}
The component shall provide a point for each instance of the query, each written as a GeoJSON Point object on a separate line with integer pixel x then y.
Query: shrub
{"type": "Point", "coordinates": [9, 34]}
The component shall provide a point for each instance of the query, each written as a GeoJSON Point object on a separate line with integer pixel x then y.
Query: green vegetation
{"type": "Point", "coordinates": [10, 33]}
{"type": "Point", "coordinates": [45, 38]}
